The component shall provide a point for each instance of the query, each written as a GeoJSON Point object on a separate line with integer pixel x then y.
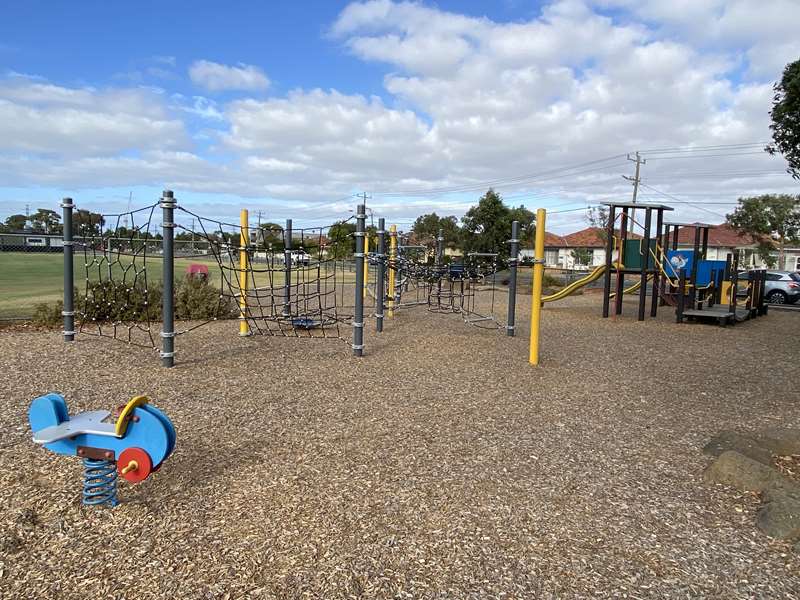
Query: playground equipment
{"type": "Point", "coordinates": [133, 443]}
{"type": "Point", "coordinates": [699, 288]}
{"type": "Point", "coordinates": [708, 290]}
{"type": "Point", "coordinates": [452, 288]}
{"type": "Point", "coordinates": [281, 281]}
{"type": "Point", "coordinates": [635, 257]}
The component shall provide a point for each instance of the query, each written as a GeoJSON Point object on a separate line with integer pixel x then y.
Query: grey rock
{"type": "Point", "coordinates": [745, 474]}
{"type": "Point", "coordinates": [730, 440]}
{"type": "Point", "coordinates": [781, 440]}
{"type": "Point", "coordinates": [780, 519]}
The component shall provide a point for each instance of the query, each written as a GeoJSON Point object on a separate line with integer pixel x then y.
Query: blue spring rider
{"type": "Point", "coordinates": [133, 443]}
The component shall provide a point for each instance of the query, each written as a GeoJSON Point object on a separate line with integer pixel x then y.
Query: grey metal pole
{"type": "Point", "coordinates": [168, 278]}
{"type": "Point", "coordinates": [358, 318]}
{"type": "Point", "coordinates": [287, 266]}
{"type": "Point", "coordinates": [380, 291]}
{"type": "Point", "coordinates": [512, 283]}
{"type": "Point", "coordinates": [69, 283]}
{"type": "Point", "coordinates": [439, 261]}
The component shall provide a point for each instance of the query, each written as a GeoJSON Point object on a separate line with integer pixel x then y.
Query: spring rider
{"type": "Point", "coordinates": [133, 442]}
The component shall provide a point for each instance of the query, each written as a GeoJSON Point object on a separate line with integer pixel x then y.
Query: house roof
{"type": "Point", "coordinates": [719, 236]}
{"type": "Point", "coordinates": [552, 240]}
{"type": "Point", "coordinates": [591, 237]}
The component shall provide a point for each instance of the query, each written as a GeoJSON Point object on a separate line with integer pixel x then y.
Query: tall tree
{"type": "Point", "coordinates": [87, 223]}
{"type": "Point", "coordinates": [341, 240]}
{"type": "Point", "coordinates": [487, 226]}
{"type": "Point", "coordinates": [773, 215]}
{"type": "Point", "coordinates": [16, 222]}
{"type": "Point", "coordinates": [426, 227]}
{"type": "Point", "coordinates": [785, 115]}
{"type": "Point", "coordinates": [45, 220]}
{"type": "Point", "coordinates": [527, 225]}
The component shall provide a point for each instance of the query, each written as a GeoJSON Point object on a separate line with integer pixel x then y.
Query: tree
{"type": "Point", "coordinates": [341, 240]}
{"type": "Point", "coordinates": [87, 223]}
{"type": "Point", "coordinates": [582, 256]}
{"type": "Point", "coordinates": [426, 228]}
{"type": "Point", "coordinates": [16, 222]}
{"type": "Point", "coordinates": [598, 218]}
{"type": "Point", "coordinates": [487, 226]}
{"type": "Point", "coordinates": [270, 235]}
{"type": "Point", "coordinates": [773, 215]}
{"type": "Point", "coordinates": [45, 221]}
{"type": "Point", "coordinates": [785, 115]}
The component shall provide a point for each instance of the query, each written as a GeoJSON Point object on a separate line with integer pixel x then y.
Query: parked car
{"type": "Point", "coordinates": [781, 287]}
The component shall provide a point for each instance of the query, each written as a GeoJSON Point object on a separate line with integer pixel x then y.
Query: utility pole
{"type": "Point", "coordinates": [635, 180]}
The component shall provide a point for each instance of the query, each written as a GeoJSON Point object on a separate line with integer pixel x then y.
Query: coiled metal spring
{"type": "Point", "coordinates": [99, 482]}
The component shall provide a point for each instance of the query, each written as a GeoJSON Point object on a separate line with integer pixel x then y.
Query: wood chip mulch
{"type": "Point", "coordinates": [440, 465]}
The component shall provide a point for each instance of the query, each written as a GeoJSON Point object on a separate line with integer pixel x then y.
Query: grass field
{"type": "Point", "coordinates": [28, 278]}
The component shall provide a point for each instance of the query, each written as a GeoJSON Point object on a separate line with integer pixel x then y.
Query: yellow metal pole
{"type": "Point", "coordinates": [538, 274]}
{"type": "Point", "coordinates": [366, 263]}
{"type": "Point", "coordinates": [392, 258]}
{"type": "Point", "coordinates": [244, 241]}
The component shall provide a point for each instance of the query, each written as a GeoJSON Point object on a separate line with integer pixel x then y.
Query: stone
{"type": "Point", "coordinates": [780, 440]}
{"type": "Point", "coordinates": [730, 440]}
{"type": "Point", "coordinates": [780, 518]}
{"type": "Point", "coordinates": [745, 474]}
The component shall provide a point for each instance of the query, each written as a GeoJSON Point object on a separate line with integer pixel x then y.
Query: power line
{"type": "Point", "coordinates": [675, 198]}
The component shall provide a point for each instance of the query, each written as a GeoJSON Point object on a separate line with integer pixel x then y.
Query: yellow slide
{"type": "Point", "coordinates": [576, 285]}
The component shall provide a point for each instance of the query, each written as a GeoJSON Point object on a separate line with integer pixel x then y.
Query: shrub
{"type": "Point", "coordinates": [48, 315]}
{"type": "Point", "coordinates": [549, 281]}
{"type": "Point", "coordinates": [113, 301]}
{"type": "Point", "coordinates": [106, 301]}
{"type": "Point", "coordinates": [195, 298]}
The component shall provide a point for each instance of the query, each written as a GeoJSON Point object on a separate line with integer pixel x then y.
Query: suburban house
{"type": "Point", "coordinates": [587, 248]}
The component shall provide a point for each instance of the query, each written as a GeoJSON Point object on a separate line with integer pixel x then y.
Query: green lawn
{"type": "Point", "coordinates": [28, 278]}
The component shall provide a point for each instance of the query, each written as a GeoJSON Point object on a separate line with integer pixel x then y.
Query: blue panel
{"type": "Point", "coordinates": [704, 268]}
{"type": "Point", "coordinates": [678, 259]}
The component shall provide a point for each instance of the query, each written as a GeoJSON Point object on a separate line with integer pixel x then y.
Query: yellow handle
{"type": "Point", "coordinates": [122, 419]}
{"type": "Point", "coordinates": [132, 466]}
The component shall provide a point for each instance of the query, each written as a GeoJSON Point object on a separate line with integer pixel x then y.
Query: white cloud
{"type": "Point", "coordinates": [39, 117]}
{"type": "Point", "coordinates": [467, 100]}
{"type": "Point", "coordinates": [216, 77]}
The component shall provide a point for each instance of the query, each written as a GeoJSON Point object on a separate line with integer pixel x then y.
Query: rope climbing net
{"type": "Point", "coordinates": [116, 300]}
{"type": "Point", "coordinates": [469, 288]}
{"type": "Point", "coordinates": [279, 280]}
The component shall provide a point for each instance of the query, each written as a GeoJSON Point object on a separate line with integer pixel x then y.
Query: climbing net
{"type": "Point", "coordinates": [115, 299]}
{"type": "Point", "coordinates": [290, 283]}
{"type": "Point", "coordinates": [469, 288]}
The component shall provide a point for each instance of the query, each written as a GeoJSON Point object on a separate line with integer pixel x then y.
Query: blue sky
{"type": "Point", "coordinates": [291, 108]}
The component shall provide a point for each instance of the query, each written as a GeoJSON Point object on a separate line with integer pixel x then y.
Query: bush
{"type": "Point", "coordinates": [549, 281]}
{"type": "Point", "coordinates": [111, 301]}
{"type": "Point", "coordinates": [107, 301]}
{"type": "Point", "coordinates": [48, 315]}
{"type": "Point", "coordinates": [196, 299]}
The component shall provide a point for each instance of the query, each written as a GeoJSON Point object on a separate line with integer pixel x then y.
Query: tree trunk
{"type": "Point", "coordinates": [781, 260]}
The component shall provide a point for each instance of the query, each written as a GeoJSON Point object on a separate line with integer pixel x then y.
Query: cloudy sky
{"type": "Point", "coordinates": [293, 108]}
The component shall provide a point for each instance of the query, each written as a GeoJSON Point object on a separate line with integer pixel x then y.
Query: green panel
{"type": "Point", "coordinates": [632, 258]}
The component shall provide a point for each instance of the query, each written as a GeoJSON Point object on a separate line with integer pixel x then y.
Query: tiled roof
{"type": "Point", "coordinates": [719, 236]}
{"type": "Point", "coordinates": [591, 237]}
{"type": "Point", "coordinates": [552, 240]}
